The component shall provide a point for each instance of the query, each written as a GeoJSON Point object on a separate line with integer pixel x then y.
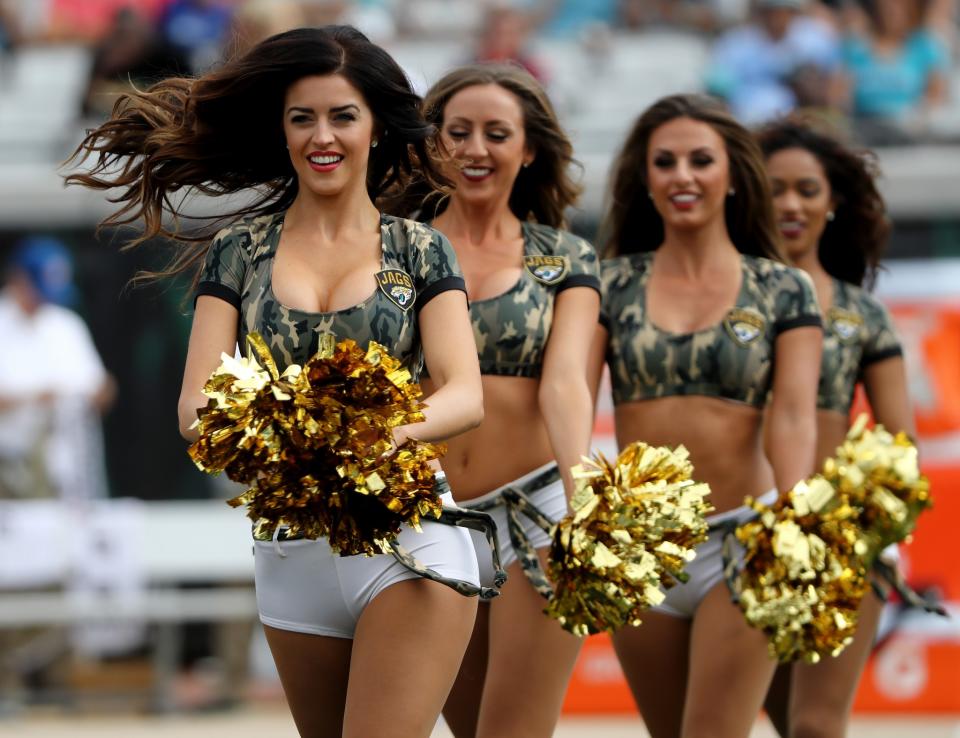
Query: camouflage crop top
{"type": "Point", "coordinates": [417, 264]}
{"type": "Point", "coordinates": [511, 329]}
{"type": "Point", "coordinates": [857, 333]}
{"type": "Point", "coordinates": [732, 360]}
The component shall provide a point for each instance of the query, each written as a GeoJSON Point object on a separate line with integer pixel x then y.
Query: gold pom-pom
{"type": "Point", "coordinates": [880, 473]}
{"type": "Point", "coordinates": [803, 576]}
{"type": "Point", "coordinates": [633, 526]}
{"type": "Point", "coordinates": [316, 444]}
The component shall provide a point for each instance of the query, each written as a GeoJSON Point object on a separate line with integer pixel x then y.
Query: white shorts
{"type": "Point", "coordinates": [304, 587]}
{"type": "Point", "coordinates": [550, 500]}
{"type": "Point", "coordinates": [706, 570]}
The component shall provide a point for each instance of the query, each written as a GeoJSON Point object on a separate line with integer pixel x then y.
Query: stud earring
{"type": "Point", "coordinates": [732, 191]}
{"type": "Point", "coordinates": [373, 143]}
{"type": "Point", "coordinates": [831, 215]}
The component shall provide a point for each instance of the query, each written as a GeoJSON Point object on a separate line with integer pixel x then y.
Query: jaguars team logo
{"type": "Point", "coordinates": [744, 326]}
{"type": "Point", "coordinates": [844, 324]}
{"type": "Point", "coordinates": [547, 269]}
{"type": "Point", "coordinates": [398, 287]}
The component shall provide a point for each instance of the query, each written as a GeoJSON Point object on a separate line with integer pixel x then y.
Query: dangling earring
{"type": "Point", "coordinates": [373, 143]}
{"type": "Point", "coordinates": [831, 215]}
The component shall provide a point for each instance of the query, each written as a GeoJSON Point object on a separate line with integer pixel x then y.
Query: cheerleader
{"type": "Point", "coordinates": [534, 301]}
{"type": "Point", "coordinates": [700, 319]}
{"type": "Point", "coordinates": [833, 225]}
{"type": "Point", "coordinates": [318, 123]}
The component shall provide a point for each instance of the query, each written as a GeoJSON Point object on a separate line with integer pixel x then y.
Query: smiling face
{"type": "Point", "coordinates": [329, 129]}
{"type": "Point", "coordinates": [483, 129]}
{"type": "Point", "coordinates": [801, 198]}
{"type": "Point", "coordinates": [688, 173]}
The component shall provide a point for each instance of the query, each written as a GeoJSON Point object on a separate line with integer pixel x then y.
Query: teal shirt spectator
{"type": "Point", "coordinates": [893, 85]}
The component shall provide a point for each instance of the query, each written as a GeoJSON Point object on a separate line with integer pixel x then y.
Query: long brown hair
{"type": "Point", "coordinates": [632, 223]}
{"type": "Point", "coordinates": [853, 242]}
{"type": "Point", "coordinates": [223, 133]}
{"type": "Point", "coordinates": [543, 190]}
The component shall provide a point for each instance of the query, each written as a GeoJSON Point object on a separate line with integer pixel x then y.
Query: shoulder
{"type": "Point", "coordinates": [245, 234]}
{"type": "Point", "coordinates": [63, 320]}
{"type": "Point", "coordinates": [618, 271]}
{"type": "Point", "coordinates": [869, 305]}
{"type": "Point", "coordinates": [558, 242]}
{"type": "Point", "coordinates": [777, 276]}
{"type": "Point", "coordinates": [409, 233]}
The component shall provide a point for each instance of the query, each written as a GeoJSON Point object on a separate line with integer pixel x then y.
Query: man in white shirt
{"type": "Point", "coordinates": [53, 385]}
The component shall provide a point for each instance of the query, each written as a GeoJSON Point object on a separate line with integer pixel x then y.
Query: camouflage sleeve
{"type": "Point", "coordinates": [607, 275]}
{"type": "Point", "coordinates": [882, 340]}
{"type": "Point", "coordinates": [584, 265]}
{"type": "Point", "coordinates": [435, 267]}
{"type": "Point", "coordinates": [224, 267]}
{"type": "Point", "coordinates": [795, 301]}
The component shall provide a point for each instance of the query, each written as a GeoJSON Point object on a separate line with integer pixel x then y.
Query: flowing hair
{"type": "Point", "coordinates": [543, 190]}
{"type": "Point", "coordinates": [853, 242]}
{"type": "Point", "coordinates": [222, 134]}
{"type": "Point", "coordinates": [632, 223]}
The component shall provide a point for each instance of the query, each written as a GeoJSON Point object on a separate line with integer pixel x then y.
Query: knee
{"type": "Point", "coordinates": [818, 724]}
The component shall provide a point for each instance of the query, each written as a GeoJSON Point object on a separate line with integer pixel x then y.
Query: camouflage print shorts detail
{"type": "Point", "coordinates": [511, 329]}
{"type": "Point", "coordinates": [857, 333]}
{"type": "Point", "coordinates": [417, 264]}
{"type": "Point", "coordinates": [731, 360]}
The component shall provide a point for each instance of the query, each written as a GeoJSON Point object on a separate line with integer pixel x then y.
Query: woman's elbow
{"type": "Point", "coordinates": [187, 418]}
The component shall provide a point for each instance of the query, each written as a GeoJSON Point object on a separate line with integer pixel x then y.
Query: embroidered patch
{"type": "Point", "coordinates": [744, 326]}
{"type": "Point", "coordinates": [398, 287]}
{"type": "Point", "coordinates": [844, 324]}
{"type": "Point", "coordinates": [547, 269]}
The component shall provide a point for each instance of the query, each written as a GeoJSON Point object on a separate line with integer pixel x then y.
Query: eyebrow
{"type": "Point", "coordinates": [338, 109]}
{"type": "Point", "coordinates": [699, 150]}
{"type": "Point", "coordinates": [495, 122]}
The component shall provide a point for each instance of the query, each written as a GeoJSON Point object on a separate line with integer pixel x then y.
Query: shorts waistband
{"type": "Point", "coordinates": [740, 514]}
{"type": "Point", "coordinates": [529, 482]}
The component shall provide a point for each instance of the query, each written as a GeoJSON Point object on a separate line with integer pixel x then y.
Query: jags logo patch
{"type": "Point", "coordinates": [744, 326]}
{"type": "Point", "coordinates": [547, 269]}
{"type": "Point", "coordinates": [398, 287]}
{"type": "Point", "coordinates": [844, 324]}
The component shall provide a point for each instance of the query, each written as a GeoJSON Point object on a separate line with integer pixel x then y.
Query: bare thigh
{"type": "Point", "coordinates": [821, 695]}
{"type": "Point", "coordinates": [654, 658]}
{"type": "Point", "coordinates": [313, 671]}
{"type": "Point", "coordinates": [407, 648]}
{"type": "Point", "coordinates": [730, 670]}
{"type": "Point", "coordinates": [530, 661]}
{"type": "Point", "coordinates": [462, 708]}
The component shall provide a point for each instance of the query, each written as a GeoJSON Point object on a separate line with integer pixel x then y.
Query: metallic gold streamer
{"type": "Point", "coordinates": [316, 444]}
{"type": "Point", "coordinates": [803, 576]}
{"type": "Point", "coordinates": [632, 528]}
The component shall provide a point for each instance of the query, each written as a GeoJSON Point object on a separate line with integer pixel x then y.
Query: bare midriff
{"type": "Point", "coordinates": [511, 441]}
{"type": "Point", "coordinates": [724, 438]}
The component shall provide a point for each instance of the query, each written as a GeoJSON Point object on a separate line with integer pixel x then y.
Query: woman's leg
{"type": "Point", "coordinates": [730, 670]}
{"type": "Point", "coordinates": [654, 657]}
{"type": "Point", "coordinates": [822, 694]}
{"type": "Point", "coordinates": [530, 661]}
{"type": "Point", "coordinates": [313, 671]}
{"type": "Point", "coordinates": [408, 645]}
{"type": "Point", "coordinates": [462, 708]}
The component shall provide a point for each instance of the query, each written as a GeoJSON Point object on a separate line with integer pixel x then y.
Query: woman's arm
{"type": "Point", "coordinates": [792, 416]}
{"type": "Point", "coordinates": [886, 385]}
{"type": "Point", "coordinates": [451, 356]}
{"type": "Point", "coordinates": [565, 394]}
{"type": "Point", "coordinates": [214, 332]}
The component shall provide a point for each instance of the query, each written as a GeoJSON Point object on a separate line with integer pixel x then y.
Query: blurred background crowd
{"type": "Point", "coordinates": [883, 72]}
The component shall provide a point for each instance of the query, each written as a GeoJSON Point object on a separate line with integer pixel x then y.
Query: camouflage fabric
{"type": "Point", "coordinates": [732, 360]}
{"type": "Point", "coordinates": [511, 329]}
{"type": "Point", "coordinates": [857, 332]}
{"type": "Point", "coordinates": [516, 501]}
{"type": "Point", "coordinates": [418, 263]}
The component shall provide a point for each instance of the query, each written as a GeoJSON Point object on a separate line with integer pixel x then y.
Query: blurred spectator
{"type": "Point", "coordinates": [53, 386]}
{"type": "Point", "coordinates": [131, 52]}
{"type": "Point", "coordinates": [898, 64]}
{"type": "Point", "coordinates": [503, 38]}
{"type": "Point", "coordinates": [195, 32]}
{"type": "Point", "coordinates": [705, 16]}
{"type": "Point", "coordinates": [88, 20]}
{"type": "Point", "coordinates": [570, 17]}
{"type": "Point", "coordinates": [255, 20]}
{"type": "Point", "coordinates": [9, 28]}
{"type": "Point", "coordinates": [785, 58]}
